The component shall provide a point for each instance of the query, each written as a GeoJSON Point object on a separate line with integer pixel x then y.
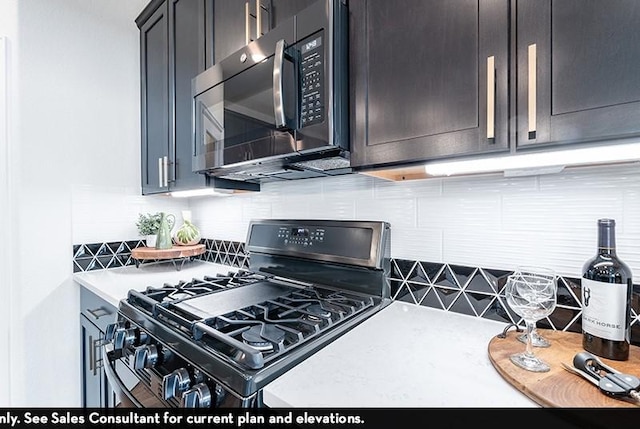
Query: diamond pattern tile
{"type": "Point", "coordinates": [447, 278]}
{"type": "Point", "coordinates": [474, 291]}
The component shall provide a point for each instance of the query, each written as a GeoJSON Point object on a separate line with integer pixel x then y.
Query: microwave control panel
{"type": "Point", "coordinates": [313, 63]}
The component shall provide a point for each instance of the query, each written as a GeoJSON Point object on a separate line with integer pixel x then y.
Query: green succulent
{"type": "Point", "coordinates": [148, 224]}
{"type": "Point", "coordinates": [187, 234]}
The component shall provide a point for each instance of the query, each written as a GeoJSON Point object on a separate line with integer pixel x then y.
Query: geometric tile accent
{"type": "Point", "coordinates": [225, 252]}
{"type": "Point", "coordinates": [100, 256]}
{"type": "Point", "coordinates": [474, 291]}
{"type": "Point", "coordinates": [479, 292]}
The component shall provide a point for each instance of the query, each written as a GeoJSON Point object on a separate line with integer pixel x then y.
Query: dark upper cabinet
{"type": "Point", "coordinates": [429, 79]}
{"type": "Point", "coordinates": [175, 45]}
{"type": "Point", "coordinates": [577, 70]}
{"type": "Point", "coordinates": [238, 23]}
{"type": "Point", "coordinates": [283, 9]}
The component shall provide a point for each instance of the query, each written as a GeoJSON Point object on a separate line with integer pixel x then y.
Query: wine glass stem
{"type": "Point", "coordinates": [530, 327]}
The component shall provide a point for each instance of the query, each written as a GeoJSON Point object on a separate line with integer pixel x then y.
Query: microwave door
{"type": "Point", "coordinates": [251, 129]}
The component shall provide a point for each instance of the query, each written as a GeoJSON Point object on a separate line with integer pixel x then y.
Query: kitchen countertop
{"type": "Point", "coordinates": [404, 356]}
{"type": "Point", "coordinates": [113, 284]}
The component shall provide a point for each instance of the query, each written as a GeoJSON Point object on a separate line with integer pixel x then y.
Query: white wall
{"type": "Point", "coordinates": [74, 158]}
{"type": "Point", "coordinates": [7, 31]}
{"type": "Point", "coordinates": [487, 221]}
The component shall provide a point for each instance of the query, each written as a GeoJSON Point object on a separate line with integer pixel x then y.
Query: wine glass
{"type": "Point", "coordinates": [537, 340]}
{"type": "Point", "coordinates": [532, 297]}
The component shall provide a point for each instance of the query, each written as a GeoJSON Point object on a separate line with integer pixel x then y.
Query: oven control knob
{"type": "Point", "coordinates": [111, 329]}
{"type": "Point", "coordinates": [199, 396]}
{"type": "Point", "coordinates": [123, 338]}
{"type": "Point", "coordinates": [145, 356]}
{"type": "Point", "coordinates": [175, 383]}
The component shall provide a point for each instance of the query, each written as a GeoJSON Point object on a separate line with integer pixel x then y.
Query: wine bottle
{"type": "Point", "coordinates": [606, 298]}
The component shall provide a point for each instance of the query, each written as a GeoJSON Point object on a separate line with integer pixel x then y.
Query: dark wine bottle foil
{"type": "Point", "coordinates": [607, 284]}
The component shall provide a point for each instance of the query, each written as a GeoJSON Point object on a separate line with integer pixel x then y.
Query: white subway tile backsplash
{"type": "Point", "coordinates": [109, 213]}
{"type": "Point", "coordinates": [484, 221]}
{"type": "Point", "coordinates": [384, 189]}
{"type": "Point", "coordinates": [476, 210]}
{"type": "Point", "coordinates": [577, 209]}
{"type": "Point", "coordinates": [488, 184]}
{"type": "Point", "coordinates": [332, 208]}
{"type": "Point", "coordinates": [420, 244]}
{"type": "Point", "coordinates": [401, 213]}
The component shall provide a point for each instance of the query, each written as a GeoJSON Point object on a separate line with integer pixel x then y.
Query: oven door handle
{"type": "Point", "coordinates": [278, 78]}
{"type": "Point", "coordinates": [118, 387]}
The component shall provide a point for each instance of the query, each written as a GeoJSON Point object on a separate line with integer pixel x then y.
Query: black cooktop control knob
{"type": "Point", "coordinates": [111, 330]}
{"type": "Point", "coordinates": [175, 383]}
{"type": "Point", "coordinates": [145, 356]}
{"type": "Point", "coordinates": [199, 396]}
{"type": "Point", "coordinates": [123, 338]}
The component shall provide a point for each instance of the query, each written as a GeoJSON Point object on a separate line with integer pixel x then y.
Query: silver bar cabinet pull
{"type": "Point", "coordinates": [247, 24]}
{"type": "Point", "coordinates": [160, 172]}
{"type": "Point", "coordinates": [491, 97]}
{"type": "Point", "coordinates": [165, 161]}
{"type": "Point", "coordinates": [258, 20]}
{"type": "Point", "coordinates": [532, 90]}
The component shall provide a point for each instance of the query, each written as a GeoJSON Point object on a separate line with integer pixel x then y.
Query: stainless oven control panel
{"type": "Point", "coordinates": [301, 236]}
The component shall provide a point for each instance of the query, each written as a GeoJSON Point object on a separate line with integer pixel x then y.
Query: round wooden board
{"type": "Point", "coordinates": [173, 253]}
{"type": "Point", "coordinates": [558, 387]}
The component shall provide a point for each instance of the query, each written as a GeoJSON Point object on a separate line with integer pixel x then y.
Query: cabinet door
{"type": "Point", "coordinates": [94, 386]}
{"type": "Point", "coordinates": [236, 24]}
{"type": "Point", "coordinates": [577, 72]}
{"type": "Point", "coordinates": [284, 9]}
{"type": "Point", "coordinates": [187, 59]}
{"type": "Point", "coordinates": [154, 69]}
{"type": "Point", "coordinates": [230, 27]}
{"type": "Point", "coordinates": [420, 82]}
{"type": "Point", "coordinates": [96, 314]}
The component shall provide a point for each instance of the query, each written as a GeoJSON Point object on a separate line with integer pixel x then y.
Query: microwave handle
{"type": "Point", "coordinates": [278, 97]}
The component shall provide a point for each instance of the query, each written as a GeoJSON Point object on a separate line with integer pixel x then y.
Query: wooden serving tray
{"type": "Point", "coordinates": [175, 252]}
{"type": "Point", "coordinates": [558, 387]}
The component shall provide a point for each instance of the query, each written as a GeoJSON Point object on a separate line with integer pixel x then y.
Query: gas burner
{"type": "Point", "coordinates": [317, 312]}
{"type": "Point", "coordinates": [263, 337]}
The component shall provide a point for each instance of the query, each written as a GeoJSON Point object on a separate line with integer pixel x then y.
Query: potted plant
{"type": "Point", "coordinates": [148, 225]}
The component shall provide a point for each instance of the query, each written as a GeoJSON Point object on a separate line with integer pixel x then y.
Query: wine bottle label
{"type": "Point", "coordinates": [604, 309]}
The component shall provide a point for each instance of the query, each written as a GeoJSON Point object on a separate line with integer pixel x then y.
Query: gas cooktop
{"type": "Point", "coordinates": [307, 283]}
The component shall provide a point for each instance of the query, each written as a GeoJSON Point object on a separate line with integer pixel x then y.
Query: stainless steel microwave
{"type": "Point", "coordinates": [277, 109]}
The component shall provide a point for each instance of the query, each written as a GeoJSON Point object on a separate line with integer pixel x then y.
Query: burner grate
{"type": "Point", "coordinates": [297, 317]}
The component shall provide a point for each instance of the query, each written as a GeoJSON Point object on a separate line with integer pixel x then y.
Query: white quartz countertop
{"type": "Point", "coordinates": [113, 284]}
{"type": "Point", "coordinates": [404, 356]}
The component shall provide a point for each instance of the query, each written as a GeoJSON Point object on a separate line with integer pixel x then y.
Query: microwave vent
{"type": "Point", "coordinates": [324, 164]}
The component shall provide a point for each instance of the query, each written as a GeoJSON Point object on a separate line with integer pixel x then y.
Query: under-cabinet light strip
{"type": "Point", "coordinates": [538, 162]}
{"type": "Point", "coordinates": [202, 193]}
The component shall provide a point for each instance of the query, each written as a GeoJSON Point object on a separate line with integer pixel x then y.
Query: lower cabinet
{"type": "Point", "coordinates": [95, 315]}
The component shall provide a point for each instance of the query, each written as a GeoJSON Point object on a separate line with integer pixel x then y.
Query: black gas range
{"type": "Point", "coordinates": [217, 341]}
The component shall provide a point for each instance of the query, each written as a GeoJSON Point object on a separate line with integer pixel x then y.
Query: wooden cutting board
{"type": "Point", "coordinates": [173, 253]}
{"type": "Point", "coordinates": [558, 387]}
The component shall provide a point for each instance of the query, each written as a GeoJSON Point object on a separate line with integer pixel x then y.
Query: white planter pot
{"type": "Point", "coordinates": [151, 240]}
